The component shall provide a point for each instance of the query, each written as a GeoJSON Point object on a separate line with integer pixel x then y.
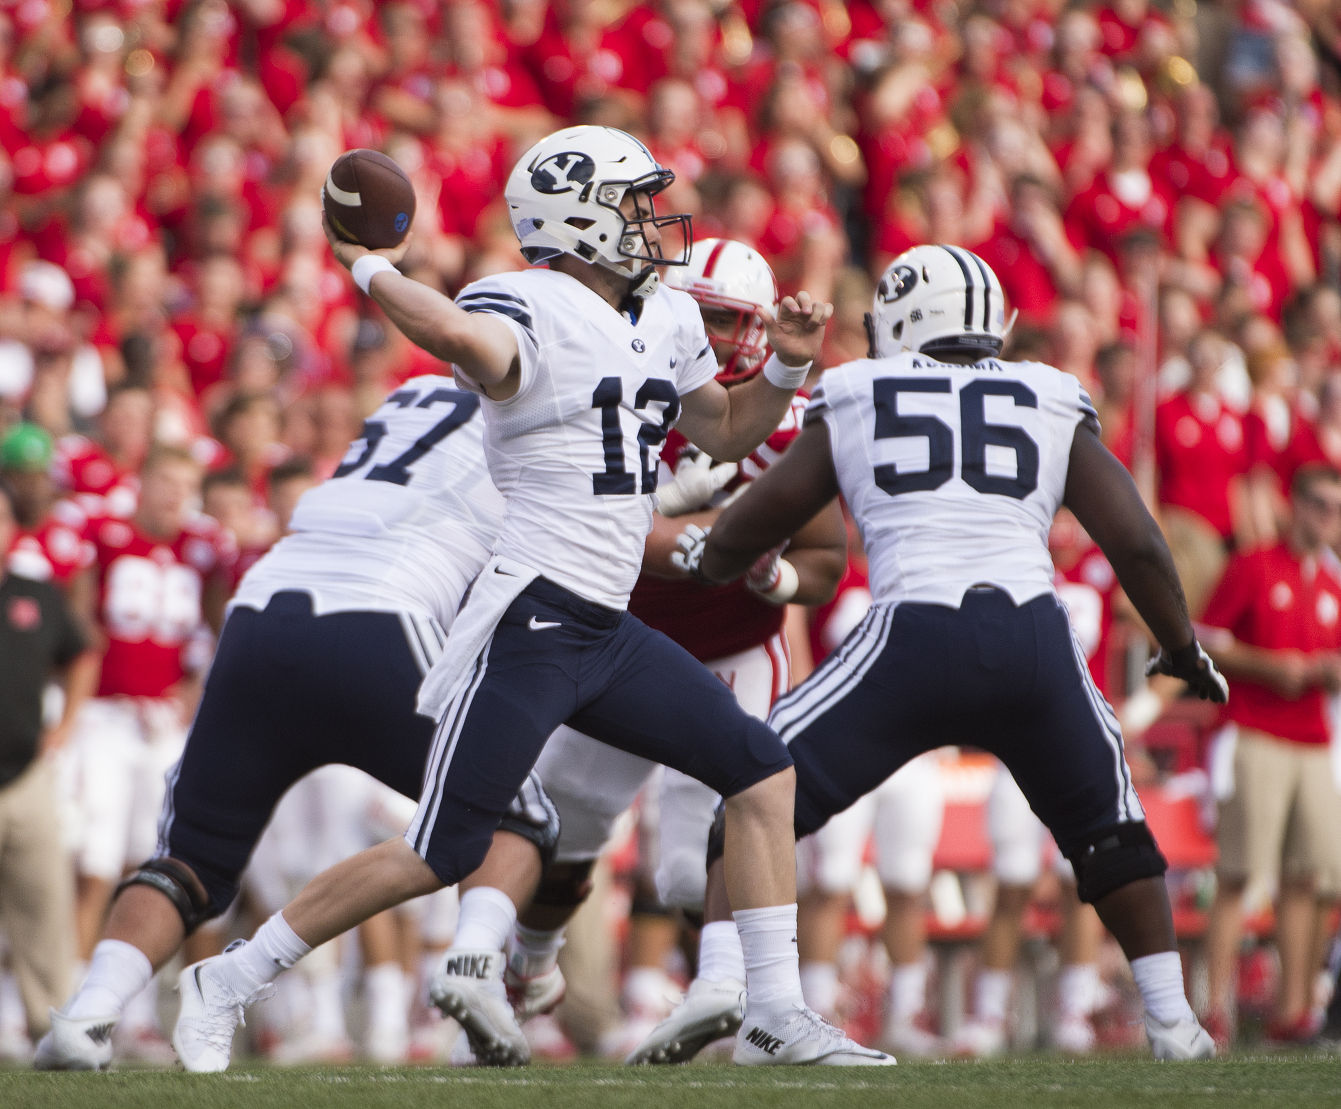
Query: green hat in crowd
{"type": "Point", "coordinates": [25, 447]}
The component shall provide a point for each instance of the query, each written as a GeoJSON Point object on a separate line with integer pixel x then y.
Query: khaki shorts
{"type": "Point", "coordinates": [1284, 816]}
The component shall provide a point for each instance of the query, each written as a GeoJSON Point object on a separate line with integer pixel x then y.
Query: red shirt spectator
{"type": "Point", "coordinates": [1271, 598]}
{"type": "Point", "coordinates": [1199, 448]}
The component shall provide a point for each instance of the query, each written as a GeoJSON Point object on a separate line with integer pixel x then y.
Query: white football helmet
{"type": "Point", "coordinates": [736, 290]}
{"type": "Point", "coordinates": [939, 300]}
{"type": "Point", "coordinates": [563, 197]}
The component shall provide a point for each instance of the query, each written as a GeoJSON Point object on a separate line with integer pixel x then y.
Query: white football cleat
{"type": "Point", "coordinates": [535, 996]}
{"type": "Point", "coordinates": [76, 1044]}
{"type": "Point", "coordinates": [912, 1037]}
{"type": "Point", "coordinates": [211, 1012]}
{"type": "Point", "coordinates": [1184, 1039]}
{"type": "Point", "coordinates": [1074, 1035]}
{"type": "Point", "coordinates": [800, 1035]}
{"type": "Point", "coordinates": [468, 987]}
{"type": "Point", "coordinates": [979, 1039]}
{"type": "Point", "coordinates": [709, 1011]}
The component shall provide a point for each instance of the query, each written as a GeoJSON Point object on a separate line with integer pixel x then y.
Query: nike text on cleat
{"type": "Point", "coordinates": [540, 625]}
{"type": "Point", "coordinates": [75, 1044]}
{"type": "Point", "coordinates": [1184, 1039]}
{"type": "Point", "coordinates": [800, 1035]}
{"type": "Point", "coordinates": [709, 1011]}
{"type": "Point", "coordinates": [211, 1012]}
{"type": "Point", "coordinates": [468, 987]}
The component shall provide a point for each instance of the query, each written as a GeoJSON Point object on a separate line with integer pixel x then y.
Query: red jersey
{"type": "Point", "coordinates": [1269, 598]}
{"type": "Point", "coordinates": [1025, 278]}
{"type": "Point", "coordinates": [56, 549]}
{"type": "Point", "coordinates": [1281, 438]}
{"type": "Point", "coordinates": [834, 621]}
{"type": "Point", "coordinates": [1098, 217]}
{"type": "Point", "coordinates": [149, 600]}
{"type": "Point", "coordinates": [1199, 449]}
{"type": "Point", "coordinates": [714, 623]}
{"type": "Point", "coordinates": [82, 466]}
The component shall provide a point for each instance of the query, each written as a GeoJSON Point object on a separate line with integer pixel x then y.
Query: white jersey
{"type": "Point", "coordinates": [953, 473]}
{"type": "Point", "coordinates": [574, 452]}
{"type": "Point", "coordinates": [406, 521]}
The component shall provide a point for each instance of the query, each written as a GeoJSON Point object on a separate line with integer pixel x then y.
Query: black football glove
{"type": "Point", "coordinates": [1194, 666]}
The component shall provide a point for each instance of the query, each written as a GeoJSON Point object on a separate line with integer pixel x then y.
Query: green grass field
{"type": "Point", "coordinates": [1280, 1082]}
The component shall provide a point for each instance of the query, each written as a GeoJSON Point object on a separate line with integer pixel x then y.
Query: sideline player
{"type": "Point", "coordinates": [737, 633]}
{"type": "Point", "coordinates": [954, 463]}
{"type": "Point", "coordinates": [584, 368]}
{"type": "Point", "coordinates": [320, 659]}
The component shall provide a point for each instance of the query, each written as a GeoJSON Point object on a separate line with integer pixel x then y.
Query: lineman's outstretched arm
{"type": "Point", "coordinates": [777, 505]}
{"type": "Point", "coordinates": [1104, 498]}
{"type": "Point", "coordinates": [481, 344]}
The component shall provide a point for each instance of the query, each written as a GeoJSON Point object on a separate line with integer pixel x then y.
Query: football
{"type": "Point", "coordinates": [368, 199]}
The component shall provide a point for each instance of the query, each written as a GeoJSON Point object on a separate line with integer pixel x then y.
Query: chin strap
{"type": "Point", "coordinates": [645, 283]}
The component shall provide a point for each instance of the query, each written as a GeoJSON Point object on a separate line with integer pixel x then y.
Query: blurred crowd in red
{"type": "Point", "coordinates": [1163, 178]}
{"type": "Point", "coordinates": [1158, 186]}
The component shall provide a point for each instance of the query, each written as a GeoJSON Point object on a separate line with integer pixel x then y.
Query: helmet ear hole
{"type": "Point", "coordinates": [898, 330]}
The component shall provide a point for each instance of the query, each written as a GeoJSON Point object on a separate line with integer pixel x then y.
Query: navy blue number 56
{"type": "Point", "coordinates": [976, 434]}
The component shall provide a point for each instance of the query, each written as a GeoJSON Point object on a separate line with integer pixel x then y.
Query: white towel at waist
{"type": "Point", "coordinates": [498, 585]}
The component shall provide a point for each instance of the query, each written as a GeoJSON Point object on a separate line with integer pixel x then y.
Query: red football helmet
{"type": "Point", "coordinates": [735, 289]}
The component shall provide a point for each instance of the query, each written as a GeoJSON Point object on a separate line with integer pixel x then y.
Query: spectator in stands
{"type": "Point", "coordinates": [1273, 624]}
{"type": "Point", "coordinates": [1123, 194]}
{"type": "Point", "coordinates": [40, 639]}
{"type": "Point", "coordinates": [1200, 457]}
{"type": "Point", "coordinates": [49, 544]}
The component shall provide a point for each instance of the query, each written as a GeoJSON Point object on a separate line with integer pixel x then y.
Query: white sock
{"type": "Point", "coordinates": [274, 948]}
{"type": "Point", "coordinates": [327, 985]}
{"type": "Point", "coordinates": [907, 991]}
{"type": "Point", "coordinates": [534, 951]}
{"type": "Point", "coordinates": [387, 993]}
{"type": "Point", "coordinates": [116, 973]}
{"type": "Point", "coordinates": [1159, 977]}
{"type": "Point", "coordinates": [13, 1019]}
{"type": "Point", "coordinates": [819, 986]}
{"type": "Point", "coordinates": [991, 995]}
{"type": "Point", "coordinates": [487, 920]}
{"type": "Point", "coordinates": [720, 956]}
{"type": "Point", "coordinates": [768, 940]}
{"type": "Point", "coordinates": [1077, 989]}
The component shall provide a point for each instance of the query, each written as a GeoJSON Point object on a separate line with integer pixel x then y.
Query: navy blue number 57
{"type": "Point", "coordinates": [397, 471]}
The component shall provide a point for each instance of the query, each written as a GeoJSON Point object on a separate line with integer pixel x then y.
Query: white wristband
{"type": "Point", "coordinates": [787, 584]}
{"type": "Point", "coordinates": [790, 378]}
{"type": "Point", "coordinates": [366, 268]}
